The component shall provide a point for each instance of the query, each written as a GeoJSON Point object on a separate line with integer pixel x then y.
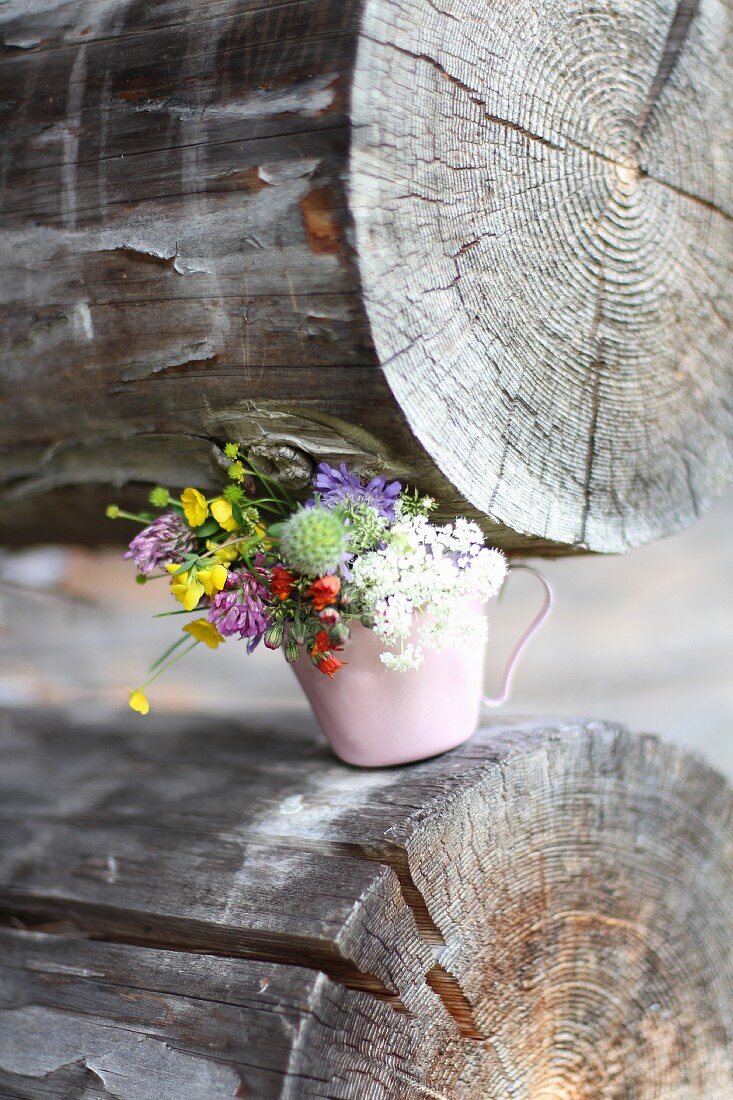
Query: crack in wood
{"type": "Point", "coordinates": [472, 94]}
{"type": "Point", "coordinates": [595, 371]}
{"type": "Point", "coordinates": [590, 453]}
{"type": "Point", "coordinates": [455, 1001]}
{"type": "Point", "coordinates": [679, 30]}
{"type": "Point", "coordinates": [708, 204]}
{"type": "Point", "coordinates": [441, 981]}
{"type": "Point", "coordinates": [74, 918]}
{"type": "Point", "coordinates": [677, 35]}
{"type": "Point", "coordinates": [105, 924]}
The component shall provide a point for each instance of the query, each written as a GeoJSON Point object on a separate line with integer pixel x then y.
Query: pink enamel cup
{"type": "Point", "coordinates": [373, 716]}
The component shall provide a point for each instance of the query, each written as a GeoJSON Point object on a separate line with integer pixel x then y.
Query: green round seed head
{"type": "Point", "coordinates": [314, 541]}
{"type": "Point", "coordinates": [159, 497]}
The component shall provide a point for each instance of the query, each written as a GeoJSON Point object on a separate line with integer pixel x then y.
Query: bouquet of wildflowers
{"type": "Point", "coordinates": [253, 563]}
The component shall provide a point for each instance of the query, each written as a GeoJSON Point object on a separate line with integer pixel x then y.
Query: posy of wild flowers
{"type": "Point", "coordinates": [254, 564]}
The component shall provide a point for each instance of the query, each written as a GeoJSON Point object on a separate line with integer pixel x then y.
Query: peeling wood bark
{"type": "Point", "coordinates": [484, 248]}
{"type": "Point", "coordinates": [545, 910]}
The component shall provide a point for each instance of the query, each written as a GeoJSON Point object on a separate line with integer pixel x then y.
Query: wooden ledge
{"type": "Point", "coordinates": [544, 912]}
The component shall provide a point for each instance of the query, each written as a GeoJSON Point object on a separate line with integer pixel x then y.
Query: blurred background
{"type": "Point", "coordinates": [645, 639]}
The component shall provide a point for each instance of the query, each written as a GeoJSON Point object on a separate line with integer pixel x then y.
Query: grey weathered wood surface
{"type": "Point", "coordinates": [545, 911]}
{"type": "Point", "coordinates": [484, 246]}
{"type": "Point", "coordinates": [80, 1018]}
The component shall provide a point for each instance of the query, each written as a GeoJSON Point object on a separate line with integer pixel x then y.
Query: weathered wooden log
{"type": "Point", "coordinates": [485, 246]}
{"type": "Point", "coordinates": [144, 1024]}
{"type": "Point", "coordinates": [543, 913]}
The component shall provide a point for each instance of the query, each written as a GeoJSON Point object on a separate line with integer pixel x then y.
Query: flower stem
{"type": "Point", "coordinates": [166, 614]}
{"type": "Point", "coordinates": [133, 516]}
{"type": "Point", "coordinates": [169, 650]}
{"type": "Point", "coordinates": [230, 542]}
{"type": "Point", "coordinates": [164, 667]}
{"type": "Point", "coordinates": [274, 486]}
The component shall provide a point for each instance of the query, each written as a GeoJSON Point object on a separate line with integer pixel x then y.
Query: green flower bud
{"type": "Point", "coordinates": [366, 527]}
{"type": "Point", "coordinates": [159, 497]}
{"type": "Point", "coordinates": [236, 471]}
{"type": "Point", "coordinates": [292, 651]}
{"type": "Point", "coordinates": [274, 636]}
{"type": "Point", "coordinates": [112, 511]}
{"type": "Point", "coordinates": [299, 631]}
{"type": "Point", "coordinates": [339, 633]}
{"type": "Point", "coordinates": [233, 494]}
{"type": "Point", "coordinates": [313, 541]}
{"type": "Point", "coordinates": [412, 504]}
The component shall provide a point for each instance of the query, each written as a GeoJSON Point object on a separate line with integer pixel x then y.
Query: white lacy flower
{"type": "Point", "coordinates": [487, 572]}
{"type": "Point", "coordinates": [407, 658]}
{"type": "Point", "coordinates": [393, 617]}
{"type": "Point", "coordinates": [443, 572]}
{"type": "Point", "coordinates": [467, 535]}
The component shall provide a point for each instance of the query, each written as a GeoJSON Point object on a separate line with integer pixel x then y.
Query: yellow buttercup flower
{"type": "Point", "coordinates": [204, 631]}
{"type": "Point", "coordinates": [261, 531]}
{"type": "Point", "coordinates": [221, 510]}
{"type": "Point", "coordinates": [139, 702]}
{"type": "Point", "coordinates": [187, 590]}
{"type": "Point", "coordinates": [213, 579]}
{"type": "Point", "coordinates": [195, 507]}
{"type": "Point", "coordinates": [223, 554]}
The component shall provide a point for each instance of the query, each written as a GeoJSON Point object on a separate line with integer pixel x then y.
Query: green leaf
{"type": "Point", "coordinates": [186, 564]}
{"type": "Point", "coordinates": [275, 530]}
{"type": "Point", "coordinates": [207, 528]}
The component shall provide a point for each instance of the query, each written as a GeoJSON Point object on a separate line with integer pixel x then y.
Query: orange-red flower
{"type": "Point", "coordinates": [323, 654]}
{"type": "Point", "coordinates": [323, 643]}
{"type": "Point", "coordinates": [281, 582]}
{"type": "Point", "coordinates": [328, 664]}
{"type": "Point", "coordinates": [324, 591]}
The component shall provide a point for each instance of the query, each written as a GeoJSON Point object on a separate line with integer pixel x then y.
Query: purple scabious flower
{"type": "Point", "coordinates": [241, 607]}
{"type": "Point", "coordinates": [164, 540]}
{"type": "Point", "coordinates": [341, 486]}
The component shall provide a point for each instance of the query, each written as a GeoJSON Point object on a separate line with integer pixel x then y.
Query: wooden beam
{"type": "Point", "coordinates": [487, 249]}
{"type": "Point", "coordinates": [121, 1021]}
{"type": "Point", "coordinates": [545, 908]}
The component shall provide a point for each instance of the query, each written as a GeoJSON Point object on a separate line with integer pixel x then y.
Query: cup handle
{"type": "Point", "coordinates": [534, 626]}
